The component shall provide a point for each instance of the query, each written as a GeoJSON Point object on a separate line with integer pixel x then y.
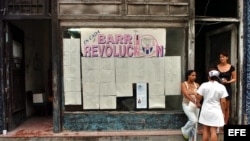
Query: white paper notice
{"type": "Point", "coordinates": [141, 95]}
{"type": "Point", "coordinates": [106, 75]}
{"type": "Point", "coordinates": [91, 89]}
{"type": "Point", "coordinates": [172, 75]}
{"type": "Point", "coordinates": [70, 59]}
{"type": "Point", "coordinates": [38, 97]}
{"type": "Point", "coordinates": [72, 84]}
{"type": "Point", "coordinates": [90, 63]}
{"type": "Point", "coordinates": [156, 102]}
{"type": "Point", "coordinates": [91, 102]}
{"type": "Point", "coordinates": [155, 69]}
{"type": "Point", "coordinates": [71, 45]}
{"type": "Point", "coordinates": [123, 70]}
{"type": "Point", "coordinates": [107, 102]}
{"type": "Point", "coordinates": [71, 73]}
{"type": "Point", "coordinates": [91, 76]}
{"type": "Point", "coordinates": [107, 89]}
{"type": "Point", "coordinates": [107, 63]}
{"type": "Point", "coordinates": [156, 88]}
{"type": "Point", "coordinates": [139, 70]}
{"type": "Point", "coordinates": [124, 90]}
{"type": "Point", "coordinates": [73, 98]}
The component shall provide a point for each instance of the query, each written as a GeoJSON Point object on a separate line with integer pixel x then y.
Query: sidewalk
{"type": "Point", "coordinates": [41, 128]}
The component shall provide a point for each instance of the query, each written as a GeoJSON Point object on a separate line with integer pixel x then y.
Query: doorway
{"type": "Point", "coordinates": [29, 71]}
{"type": "Point", "coordinates": [224, 39]}
{"type": "Point", "coordinates": [217, 30]}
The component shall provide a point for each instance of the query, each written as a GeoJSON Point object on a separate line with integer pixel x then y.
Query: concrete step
{"type": "Point", "coordinates": [41, 129]}
{"type": "Point", "coordinates": [161, 135]}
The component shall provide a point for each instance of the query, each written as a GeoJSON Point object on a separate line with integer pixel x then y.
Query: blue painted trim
{"type": "Point", "coordinates": [246, 84]}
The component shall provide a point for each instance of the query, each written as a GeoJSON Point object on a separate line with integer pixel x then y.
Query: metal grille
{"type": "Point", "coordinates": [26, 7]}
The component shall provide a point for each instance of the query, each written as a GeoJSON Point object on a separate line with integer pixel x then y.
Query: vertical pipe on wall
{"type": "Point", "coordinates": [191, 36]}
{"type": "Point", "coordinates": [240, 64]}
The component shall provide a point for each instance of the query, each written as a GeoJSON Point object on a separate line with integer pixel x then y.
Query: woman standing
{"type": "Point", "coordinates": [188, 90]}
{"type": "Point", "coordinates": [213, 107]}
{"type": "Point", "coordinates": [228, 76]}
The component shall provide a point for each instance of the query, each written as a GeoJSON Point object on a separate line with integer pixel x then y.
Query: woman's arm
{"type": "Point", "coordinates": [198, 100]}
{"type": "Point", "coordinates": [233, 79]}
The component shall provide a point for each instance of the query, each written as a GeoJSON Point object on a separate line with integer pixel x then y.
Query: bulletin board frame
{"type": "Point", "coordinates": [141, 92]}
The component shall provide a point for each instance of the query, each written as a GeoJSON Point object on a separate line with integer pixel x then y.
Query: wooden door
{"type": "Point", "coordinates": [15, 77]}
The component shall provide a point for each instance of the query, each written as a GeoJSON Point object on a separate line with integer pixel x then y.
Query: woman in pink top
{"type": "Point", "coordinates": [188, 90]}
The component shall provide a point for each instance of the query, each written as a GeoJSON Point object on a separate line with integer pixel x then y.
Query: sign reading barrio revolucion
{"type": "Point", "coordinates": [121, 42]}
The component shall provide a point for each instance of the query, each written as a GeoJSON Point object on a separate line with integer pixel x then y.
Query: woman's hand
{"type": "Point", "coordinates": [224, 81]}
{"type": "Point", "coordinates": [198, 104]}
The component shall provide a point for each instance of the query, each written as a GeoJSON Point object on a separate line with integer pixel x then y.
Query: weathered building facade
{"type": "Point", "coordinates": [116, 64]}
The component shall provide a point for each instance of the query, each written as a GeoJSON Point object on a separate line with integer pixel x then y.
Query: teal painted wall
{"type": "Point", "coordinates": [107, 121]}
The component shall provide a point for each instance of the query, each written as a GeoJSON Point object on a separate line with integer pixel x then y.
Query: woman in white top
{"type": "Point", "coordinates": [213, 107]}
{"type": "Point", "coordinates": [188, 90]}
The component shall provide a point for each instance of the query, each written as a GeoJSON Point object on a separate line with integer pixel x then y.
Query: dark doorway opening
{"type": "Point", "coordinates": [36, 68]}
{"type": "Point", "coordinates": [217, 22]}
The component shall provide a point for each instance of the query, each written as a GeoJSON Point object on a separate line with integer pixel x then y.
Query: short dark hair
{"type": "Point", "coordinates": [224, 53]}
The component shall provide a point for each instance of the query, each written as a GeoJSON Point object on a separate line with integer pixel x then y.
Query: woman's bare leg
{"type": "Point", "coordinates": [213, 133]}
{"type": "Point", "coordinates": [227, 110]}
{"type": "Point", "coordinates": [206, 131]}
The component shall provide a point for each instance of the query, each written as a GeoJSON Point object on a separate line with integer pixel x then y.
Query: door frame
{"type": "Point", "coordinates": [2, 78]}
{"type": "Point", "coordinates": [233, 54]}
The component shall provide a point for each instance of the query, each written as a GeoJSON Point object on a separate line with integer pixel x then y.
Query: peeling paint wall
{"type": "Point", "coordinates": [103, 121]}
